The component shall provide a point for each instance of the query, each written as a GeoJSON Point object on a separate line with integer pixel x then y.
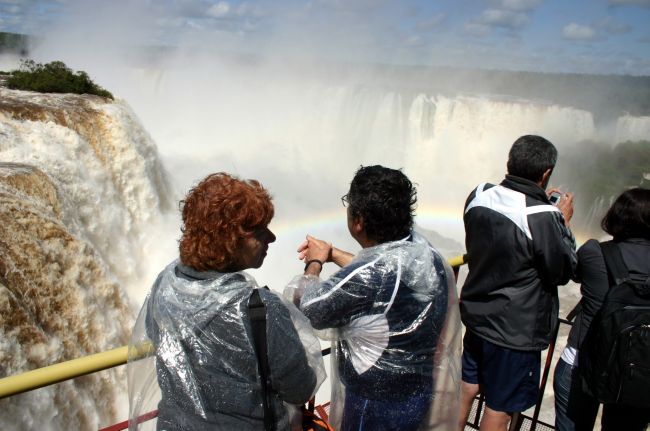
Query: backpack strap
{"type": "Point", "coordinates": [616, 269]}
{"type": "Point", "coordinates": [257, 314]}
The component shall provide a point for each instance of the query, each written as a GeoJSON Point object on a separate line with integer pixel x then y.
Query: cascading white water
{"type": "Point", "coordinates": [304, 135]}
{"type": "Point", "coordinates": [103, 163]}
{"type": "Point", "coordinates": [631, 128]}
{"type": "Point", "coordinates": [82, 191]}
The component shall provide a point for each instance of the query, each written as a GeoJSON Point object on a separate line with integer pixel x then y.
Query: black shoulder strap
{"type": "Point", "coordinates": [616, 269]}
{"type": "Point", "coordinates": [574, 311]}
{"type": "Point", "coordinates": [257, 313]}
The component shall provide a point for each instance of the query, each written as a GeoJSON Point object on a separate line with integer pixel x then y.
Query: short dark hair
{"type": "Point", "coordinates": [385, 198]}
{"type": "Point", "coordinates": [530, 156]}
{"type": "Point", "coordinates": [629, 215]}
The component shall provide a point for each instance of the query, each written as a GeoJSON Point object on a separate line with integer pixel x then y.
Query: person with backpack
{"type": "Point", "coordinates": [607, 357]}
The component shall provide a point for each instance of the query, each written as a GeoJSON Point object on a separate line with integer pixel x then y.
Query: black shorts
{"type": "Point", "coordinates": [508, 378]}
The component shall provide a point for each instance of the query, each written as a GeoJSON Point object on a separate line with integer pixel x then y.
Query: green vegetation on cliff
{"type": "Point", "coordinates": [54, 77]}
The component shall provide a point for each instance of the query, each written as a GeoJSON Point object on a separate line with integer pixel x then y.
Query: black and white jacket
{"type": "Point", "coordinates": [518, 252]}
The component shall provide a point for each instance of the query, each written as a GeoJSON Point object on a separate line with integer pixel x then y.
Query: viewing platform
{"type": "Point", "coordinates": [38, 378]}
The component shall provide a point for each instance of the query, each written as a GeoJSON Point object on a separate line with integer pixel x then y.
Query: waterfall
{"type": "Point", "coordinates": [630, 128]}
{"type": "Point", "coordinates": [81, 186]}
{"type": "Point", "coordinates": [465, 140]}
{"type": "Point", "coordinates": [447, 144]}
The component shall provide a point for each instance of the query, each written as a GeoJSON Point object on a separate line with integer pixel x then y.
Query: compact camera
{"type": "Point", "coordinates": [555, 198]}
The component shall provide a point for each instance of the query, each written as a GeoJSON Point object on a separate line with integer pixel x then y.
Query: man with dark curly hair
{"type": "Point", "coordinates": [198, 318]}
{"type": "Point", "coordinates": [388, 307]}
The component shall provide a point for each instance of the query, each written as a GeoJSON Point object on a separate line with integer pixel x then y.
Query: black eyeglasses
{"type": "Point", "coordinates": [344, 200]}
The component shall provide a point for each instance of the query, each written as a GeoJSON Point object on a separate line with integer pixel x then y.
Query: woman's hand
{"type": "Point", "coordinates": [315, 249]}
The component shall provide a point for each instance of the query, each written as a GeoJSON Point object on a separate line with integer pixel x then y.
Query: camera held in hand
{"type": "Point", "coordinates": [555, 198]}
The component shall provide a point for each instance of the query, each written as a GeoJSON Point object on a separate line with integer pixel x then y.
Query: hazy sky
{"type": "Point", "coordinates": [584, 36]}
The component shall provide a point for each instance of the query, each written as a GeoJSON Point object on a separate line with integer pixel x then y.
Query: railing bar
{"type": "Point", "coordinates": [125, 424]}
{"type": "Point", "coordinates": [56, 373]}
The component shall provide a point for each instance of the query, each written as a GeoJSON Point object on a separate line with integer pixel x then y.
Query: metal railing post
{"type": "Point", "coordinates": [547, 367]}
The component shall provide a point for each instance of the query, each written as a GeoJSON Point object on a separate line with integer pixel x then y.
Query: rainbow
{"type": "Point", "coordinates": [450, 216]}
{"type": "Point", "coordinates": [446, 220]}
{"type": "Point", "coordinates": [428, 216]}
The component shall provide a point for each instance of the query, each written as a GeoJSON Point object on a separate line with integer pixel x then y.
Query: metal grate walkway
{"type": "Point", "coordinates": [526, 422]}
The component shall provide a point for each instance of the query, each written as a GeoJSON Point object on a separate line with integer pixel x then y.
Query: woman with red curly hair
{"type": "Point", "coordinates": [225, 224]}
{"type": "Point", "coordinates": [197, 317]}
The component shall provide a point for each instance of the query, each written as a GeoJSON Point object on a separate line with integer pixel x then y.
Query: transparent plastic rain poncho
{"type": "Point", "coordinates": [392, 315]}
{"type": "Point", "coordinates": [204, 371]}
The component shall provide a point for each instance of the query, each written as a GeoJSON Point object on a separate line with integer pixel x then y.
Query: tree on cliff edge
{"type": "Point", "coordinates": [54, 77]}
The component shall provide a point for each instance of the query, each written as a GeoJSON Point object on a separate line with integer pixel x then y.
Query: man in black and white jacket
{"type": "Point", "coordinates": [519, 249]}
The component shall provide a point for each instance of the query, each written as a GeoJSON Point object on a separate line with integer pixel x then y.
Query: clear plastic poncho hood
{"type": "Point", "coordinates": [204, 371]}
{"type": "Point", "coordinates": [392, 315]}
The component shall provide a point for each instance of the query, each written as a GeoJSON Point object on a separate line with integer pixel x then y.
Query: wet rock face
{"type": "Point", "coordinates": [80, 183]}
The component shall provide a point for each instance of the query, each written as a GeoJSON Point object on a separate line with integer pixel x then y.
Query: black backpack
{"type": "Point", "coordinates": [614, 359]}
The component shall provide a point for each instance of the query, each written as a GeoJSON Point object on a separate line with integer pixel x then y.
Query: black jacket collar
{"type": "Point", "coordinates": [526, 187]}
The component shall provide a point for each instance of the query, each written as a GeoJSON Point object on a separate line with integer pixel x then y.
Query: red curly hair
{"type": "Point", "coordinates": [217, 214]}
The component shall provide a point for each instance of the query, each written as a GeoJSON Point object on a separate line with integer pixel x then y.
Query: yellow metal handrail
{"type": "Point", "coordinates": [34, 379]}
{"type": "Point", "coordinates": [457, 261]}
{"type": "Point", "coordinates": [56, 373]}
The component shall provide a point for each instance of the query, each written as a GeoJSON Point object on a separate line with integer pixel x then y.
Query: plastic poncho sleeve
{"type": "Point", "coordinates": [338, 300]}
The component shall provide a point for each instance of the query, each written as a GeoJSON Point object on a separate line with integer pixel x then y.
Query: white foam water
{"type": "Point", "coordinates": [83, 195]}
